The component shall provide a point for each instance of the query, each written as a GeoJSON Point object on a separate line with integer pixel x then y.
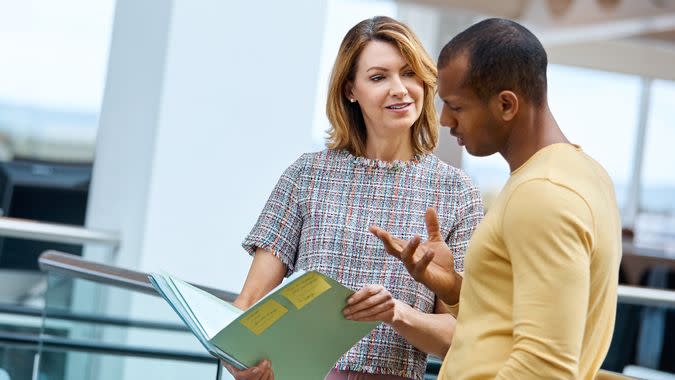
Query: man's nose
{"type": "Point", "coordinates": [446, 119]}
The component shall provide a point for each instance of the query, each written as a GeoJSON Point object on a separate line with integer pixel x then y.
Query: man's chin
{"type": "Point", "coordinates": [477, 153]}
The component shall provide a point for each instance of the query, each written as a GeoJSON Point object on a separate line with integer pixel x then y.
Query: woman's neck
{"type": "Point", "coordinates": [389, 148]}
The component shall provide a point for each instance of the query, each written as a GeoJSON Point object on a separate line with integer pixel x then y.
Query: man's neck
{"type": "Point", "coordinates": [534, 130]}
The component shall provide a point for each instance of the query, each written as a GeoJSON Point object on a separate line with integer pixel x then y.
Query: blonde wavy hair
{"type": "Point", "coordinates": [348, 129]}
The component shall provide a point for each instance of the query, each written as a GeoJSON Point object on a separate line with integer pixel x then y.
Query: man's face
{"type": "Point", "coordinates": [468, 117]}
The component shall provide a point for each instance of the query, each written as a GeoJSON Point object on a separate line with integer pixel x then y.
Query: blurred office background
{"type": "Point", "coordinates": [158, 128]}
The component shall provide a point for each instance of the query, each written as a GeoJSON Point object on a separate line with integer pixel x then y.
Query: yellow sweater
{"type": "Point", "coordinates": [538, 298]}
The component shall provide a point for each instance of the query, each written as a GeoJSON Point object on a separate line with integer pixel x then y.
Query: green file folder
{"type": "Point", "coordinates": [298, 326]}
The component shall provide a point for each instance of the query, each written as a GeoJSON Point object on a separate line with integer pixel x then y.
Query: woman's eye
{"type": "Point", "coordinates": [409, 73]}
{"type": "Point", "coordinates": [376, 78]}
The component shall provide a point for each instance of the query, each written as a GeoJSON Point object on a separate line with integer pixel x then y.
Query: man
{"type": "Point", "coordinates": [538, 296]}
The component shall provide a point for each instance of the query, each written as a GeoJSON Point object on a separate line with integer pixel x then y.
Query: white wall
{"type": "Point", "coordinates": [206, 103]}
{"type": "Point", "coordinates": [236, 110]}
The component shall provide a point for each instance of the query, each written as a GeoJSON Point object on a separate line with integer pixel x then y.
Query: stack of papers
{"type": "Point", "coordinates": [298, 326]}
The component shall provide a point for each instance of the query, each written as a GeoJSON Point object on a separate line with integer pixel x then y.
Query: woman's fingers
{"type": "Point", "coordinates": [369, 296]}
{"type": "Point", "coordinates": [373, 303]}
{"type": "Point", "coordinates": [260, 371]}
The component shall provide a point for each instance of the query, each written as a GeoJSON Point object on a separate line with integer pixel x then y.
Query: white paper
{"type": "Point", "coordinates": [209, 311]}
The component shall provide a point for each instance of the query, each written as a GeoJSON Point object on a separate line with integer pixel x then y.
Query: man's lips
{"type": "Point", "coordinates": [459, 138]}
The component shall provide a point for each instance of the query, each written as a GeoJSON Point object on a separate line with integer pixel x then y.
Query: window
{"type": "Point", "coordinates": [655, 225]}
{"type": "Point", "coordinates": [599, 111]}
{"type": "Point", "coordinates": [54, 57]}
{"type": "Point", "coordinates": [592, 108]}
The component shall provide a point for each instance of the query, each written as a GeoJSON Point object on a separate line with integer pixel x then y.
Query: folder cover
{"type": "Point", "coordinates": [298, 326]}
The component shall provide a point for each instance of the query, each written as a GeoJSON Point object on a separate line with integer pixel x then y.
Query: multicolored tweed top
{"type": "Point", "coordinates": [317, 217]}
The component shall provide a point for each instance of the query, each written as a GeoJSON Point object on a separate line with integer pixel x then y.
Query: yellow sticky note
{"type": "Point", "coordinates": [264, 316]}
{"type": "Point", "coordinates": [305, 289]}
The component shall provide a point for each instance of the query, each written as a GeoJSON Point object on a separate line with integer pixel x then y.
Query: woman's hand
{"type": "Point", "coordinates": [372, 303]}
{"type": "Point", "coordinates": [261, 371]}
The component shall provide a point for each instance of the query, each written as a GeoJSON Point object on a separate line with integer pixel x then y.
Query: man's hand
{"type": "Point", "coordinates": [431, 262]}
{"type": "Point", "coordinates": [261, 371]}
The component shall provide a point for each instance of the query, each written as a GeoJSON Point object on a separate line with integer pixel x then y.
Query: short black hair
{"type": "Point", "coordinates": [502, 55]}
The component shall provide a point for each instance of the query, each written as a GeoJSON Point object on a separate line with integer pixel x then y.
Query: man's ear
{"type": "Point", "coordinates": [506, 105]}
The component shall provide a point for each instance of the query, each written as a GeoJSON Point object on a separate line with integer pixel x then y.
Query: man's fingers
{"type": "Point", "coordinates": [391, 245]}
{"type": "Point", "coordinates": [422, 264]}
{"type": "Point", "coordinates": [433, 227]}
{"type": "Point", "coordinates": [409, 250]}
{"type": "Point", "coordinates": [400, 243]}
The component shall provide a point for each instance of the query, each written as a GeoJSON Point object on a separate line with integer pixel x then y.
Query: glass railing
{"type": "Point", "coordinates": [85, 319]}
{"type": "Point", "coordinates": [24, 288]}
{"type": "Point", "coordinates": [78, 345]}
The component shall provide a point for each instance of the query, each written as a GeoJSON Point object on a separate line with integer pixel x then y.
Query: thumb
{"type": "Point", "coordinates": [433, 228]}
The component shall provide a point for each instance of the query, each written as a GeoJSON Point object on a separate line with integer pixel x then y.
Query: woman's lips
{"type": "Point", "coordinates": [399, 107]}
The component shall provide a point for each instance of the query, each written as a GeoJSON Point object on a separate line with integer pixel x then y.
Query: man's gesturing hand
{"type": "Point", "coordinates": [431, 262]}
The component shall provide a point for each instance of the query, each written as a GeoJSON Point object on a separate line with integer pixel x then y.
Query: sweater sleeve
{"type": "Point", "coordinates": [548, 233]}
{"type": "Point", "coordinates": [280, 223]}
{"type": "Point", "coordinates": [469, 213]}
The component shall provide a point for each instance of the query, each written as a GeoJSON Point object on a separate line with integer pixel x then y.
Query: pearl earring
{"type": "Point", "coordinates": [352, 100]}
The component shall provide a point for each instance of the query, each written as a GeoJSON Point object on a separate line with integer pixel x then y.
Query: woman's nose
{"type": "Point", "coordinates": [398, 89]}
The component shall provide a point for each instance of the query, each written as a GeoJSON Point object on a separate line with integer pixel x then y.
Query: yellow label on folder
{"type": "Point", "coordinates": [305, 289]}
{"type": "Point", "coordinates": [263, 316]}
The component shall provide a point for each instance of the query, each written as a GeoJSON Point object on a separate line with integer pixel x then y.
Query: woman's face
{"type": "Point", "coordinates": [386, 88]}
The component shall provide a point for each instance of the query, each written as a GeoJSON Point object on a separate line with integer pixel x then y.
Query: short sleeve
{"type": "Point", "coordinates": [469, 213]}
{"type": "Point", "coordinates": [279, 225]}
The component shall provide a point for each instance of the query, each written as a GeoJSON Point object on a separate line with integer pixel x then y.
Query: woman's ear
{"type": "Point", "coordinates": [506, 105]}
{"type": "Point", "coordinates": [349, 93]}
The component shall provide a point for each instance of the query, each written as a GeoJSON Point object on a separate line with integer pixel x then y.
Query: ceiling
{"type": "Point", "coordinates": [632, 36]}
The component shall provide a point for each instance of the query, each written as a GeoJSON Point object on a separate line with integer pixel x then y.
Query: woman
{"type": "Point", "coordinates": [378, 161]}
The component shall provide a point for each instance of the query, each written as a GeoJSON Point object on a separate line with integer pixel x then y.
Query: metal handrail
{"type": "Point", "coordinates": [646, 296]}
{"type": "Point", "coordinates": [88, 318]}
{"type": "Point", "coordinates": [76, 267]}
{"type": "Point", "coordinates": [73, 266]}
{"type": "Point", "coordinates": [55, 233]}
{"type": "Point", "coordinates": [53, 343]}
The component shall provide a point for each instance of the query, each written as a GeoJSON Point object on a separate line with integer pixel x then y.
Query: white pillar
{"type": "Point", "coordinates": [206, 103]}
